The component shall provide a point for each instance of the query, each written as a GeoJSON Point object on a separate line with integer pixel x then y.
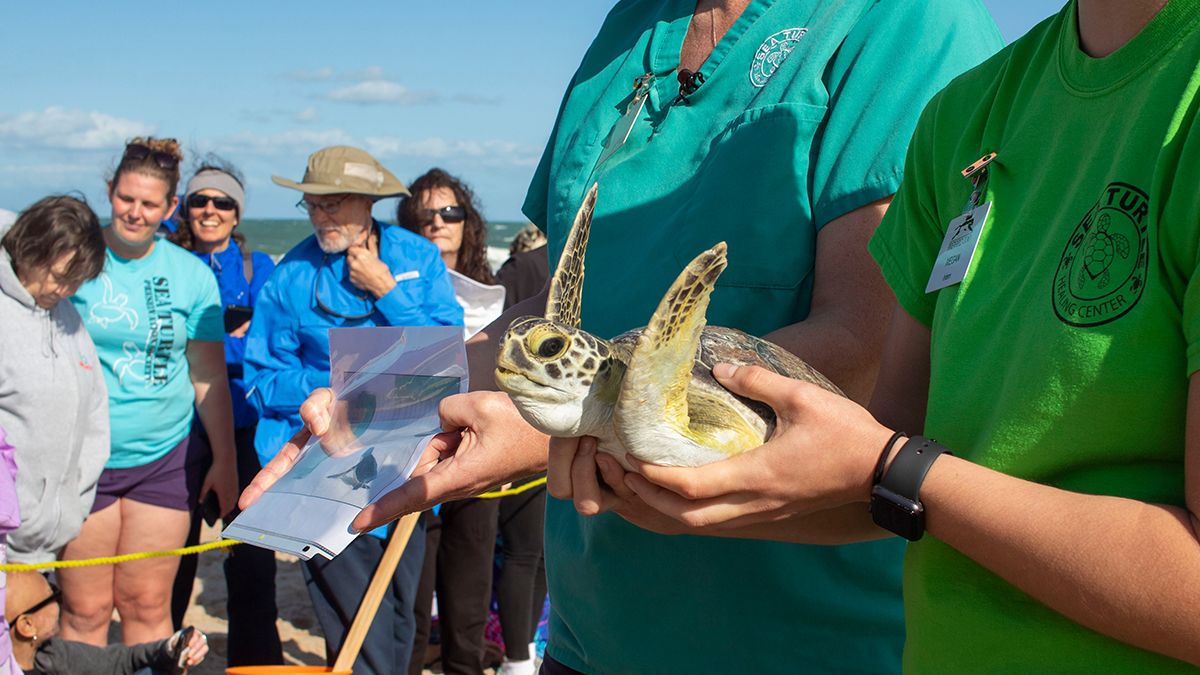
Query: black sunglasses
{"type": "Point", "coordinates": [166, 160]}
{"type": "Point", "coordinates": [325, 308]}
{"type": "Point", "coordinates": [449, 214]}
{"type": "Point", "coordinates": [55, 596]}
{"type": "Point", "coordinates": [199, 201]}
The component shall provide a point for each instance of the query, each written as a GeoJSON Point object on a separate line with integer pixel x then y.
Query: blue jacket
{"type": "Point", "coordinates": [228, 266]}
{"type": "Point", "coordinates": [287, 351]}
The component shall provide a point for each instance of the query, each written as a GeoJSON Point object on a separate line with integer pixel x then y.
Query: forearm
{"type": "Point", "coordinates": [846, 524]}
{"type": "Point", "coordinates": [843, 335]}
{"type": "Point", "coordinates": [1124, 568]}
{"type": "Point", "coordinates": [215, 408]}
{"type": "Point", "coordinates": [842, 350]}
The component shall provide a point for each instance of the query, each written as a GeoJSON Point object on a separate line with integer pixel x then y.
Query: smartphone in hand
{"type": "Point", "coordinates": [210, 508]}
{"type": "Point", "coordinates": [236, 315]}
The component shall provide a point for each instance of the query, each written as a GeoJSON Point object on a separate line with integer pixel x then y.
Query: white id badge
{"type": "Point", "coordinates": [962, 236]}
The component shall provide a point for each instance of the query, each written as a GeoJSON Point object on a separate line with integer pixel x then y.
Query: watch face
{"type": "Point", "coordinates": [897, 514]}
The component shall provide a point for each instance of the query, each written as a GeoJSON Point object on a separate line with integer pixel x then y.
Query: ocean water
{"type": "Point", "coordinates": [276, 236]}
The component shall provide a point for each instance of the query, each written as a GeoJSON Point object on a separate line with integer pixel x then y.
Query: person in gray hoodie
{"type": "Point", "coordinates": [53, 402]}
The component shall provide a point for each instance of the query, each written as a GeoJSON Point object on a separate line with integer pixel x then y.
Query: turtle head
{"type": "Point", "coordinates": [563, 381]}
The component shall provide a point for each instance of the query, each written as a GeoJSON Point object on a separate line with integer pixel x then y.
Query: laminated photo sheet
{"type": "Point", "coordinates": [387, 383]}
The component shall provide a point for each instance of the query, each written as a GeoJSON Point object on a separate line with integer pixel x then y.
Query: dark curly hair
{"type": "Point", "coordinates": [183, 235]}
{"type": "Point", "coordinates": [472, 256]}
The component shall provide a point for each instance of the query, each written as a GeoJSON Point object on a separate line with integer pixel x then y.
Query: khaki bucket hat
{"type": "Point", "coordinates": [342, 169]}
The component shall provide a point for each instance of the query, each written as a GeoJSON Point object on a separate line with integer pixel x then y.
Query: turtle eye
{"type": "Point", "coordinates": [551, 347]}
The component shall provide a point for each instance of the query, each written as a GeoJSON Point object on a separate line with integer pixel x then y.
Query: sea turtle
{"type": "Point", "coordinates": [1098, 253]}
{"type": "Point", "coordinates": [649, 391]}
{"type": "Point", "coordinates": [362, 473]}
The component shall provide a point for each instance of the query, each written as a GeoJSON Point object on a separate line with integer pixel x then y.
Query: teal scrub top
{"type": "Point", "coordinates": [805, 114]}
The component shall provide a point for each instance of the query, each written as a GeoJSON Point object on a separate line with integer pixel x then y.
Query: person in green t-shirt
{"type": "Point", "coordinates": [1058, 370]}
{"type": "Point", "coordinates": [785, 138]}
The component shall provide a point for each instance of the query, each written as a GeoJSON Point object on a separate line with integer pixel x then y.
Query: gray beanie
{"type": "Point", "coordinates": [215, 179]}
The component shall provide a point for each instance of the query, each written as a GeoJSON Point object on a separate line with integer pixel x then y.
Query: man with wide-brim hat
{"type": "Point", "coordinates": [353, 271]}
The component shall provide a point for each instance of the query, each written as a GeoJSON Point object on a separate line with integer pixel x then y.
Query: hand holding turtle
{"type": "Point", "coordinates": [592, 497]}
{"type": "Point", "coordinates": [820, 457]}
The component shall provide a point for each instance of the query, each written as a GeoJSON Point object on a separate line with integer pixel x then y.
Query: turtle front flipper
{"type": "Point", "coordinates": [651, 417]}
{"type": "Point", "coordinates": [566, 286]}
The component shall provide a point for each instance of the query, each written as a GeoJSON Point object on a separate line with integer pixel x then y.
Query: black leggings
{"type": "Point", "coordinates": [521, 590]}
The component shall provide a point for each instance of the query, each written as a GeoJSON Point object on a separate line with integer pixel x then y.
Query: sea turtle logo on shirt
{"type": "Point", "coordinates": [1102, 272]}
{"type": "Point", "coordinates": [772, 52]}
{"type": "Point", "coordinates": [112, 307]}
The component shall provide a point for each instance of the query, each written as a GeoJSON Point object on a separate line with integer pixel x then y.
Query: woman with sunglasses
{"type": "Point", "coordinates": [155, 316]}
{"type": "Point", "coordinates": [460, 537]}
{"type": "Point", "coordinates": [213, 204]}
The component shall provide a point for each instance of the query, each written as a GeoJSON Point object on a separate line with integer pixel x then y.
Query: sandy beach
{"type": "Point", "coordinates": [303, 643]}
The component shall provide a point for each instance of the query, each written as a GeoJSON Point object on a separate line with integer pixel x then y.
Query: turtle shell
{"type": "Point", "coordinates": [728, 345]}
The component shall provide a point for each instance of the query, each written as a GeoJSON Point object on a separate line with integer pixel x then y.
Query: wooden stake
{"type": "Point", "coordinates": [370, 603]}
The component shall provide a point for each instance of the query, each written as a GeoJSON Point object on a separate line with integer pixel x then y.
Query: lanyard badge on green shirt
{"type": "Point", "coordinates": [962, 235]}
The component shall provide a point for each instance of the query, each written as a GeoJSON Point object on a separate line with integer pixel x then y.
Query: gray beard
{"type": "Point", "coordinates": [343, 242]}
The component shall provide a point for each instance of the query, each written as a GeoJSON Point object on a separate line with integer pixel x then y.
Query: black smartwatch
{"type": "Point", "coordinates": [895, 502]}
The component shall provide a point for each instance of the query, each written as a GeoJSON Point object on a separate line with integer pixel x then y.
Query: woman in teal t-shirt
{"type": "Point", "coordinates": [155, 316]}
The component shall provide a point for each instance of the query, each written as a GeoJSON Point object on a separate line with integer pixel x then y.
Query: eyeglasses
{"type": "Point", "coordinates": [329, 208]}
{"type": "Point", "coordinates": [199, 201]}
{"type": "Point", "coordinates": [166, 160]}
{"type": "Point", "coordinates": [55, 596]}
{"type": "Point", "coordinates": [325, 308]}
{"type": "Point", "coordinates": [449, 214]}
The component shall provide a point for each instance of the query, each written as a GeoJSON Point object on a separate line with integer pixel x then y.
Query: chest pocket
{"type": "Point", "coordinates": [753, 192]}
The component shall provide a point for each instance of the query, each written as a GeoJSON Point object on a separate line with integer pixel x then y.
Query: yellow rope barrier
{"type": "Point", "coordinates": [224, 543]}
{"type": "Point", "coordinates": [190, 550]}
{"type": "Point", "coordinates": [513, 491]}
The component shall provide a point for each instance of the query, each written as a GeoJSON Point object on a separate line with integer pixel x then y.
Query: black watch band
{"type": "Point", "coordinates": [895, 500]}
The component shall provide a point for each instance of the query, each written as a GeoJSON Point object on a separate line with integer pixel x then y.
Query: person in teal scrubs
{"type": "Point", "coordinates": [779, 127]}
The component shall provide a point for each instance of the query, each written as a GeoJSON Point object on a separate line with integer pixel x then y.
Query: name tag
{"type": "Point", "coordinates": [405, 276]}
{"type": "Point", "coordinates": [962, 236]}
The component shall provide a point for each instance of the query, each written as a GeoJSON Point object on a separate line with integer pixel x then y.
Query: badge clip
{"type": "Point", "coordinates": [977, 172]}
{"type": "Point", "coordinates": [978, 164]}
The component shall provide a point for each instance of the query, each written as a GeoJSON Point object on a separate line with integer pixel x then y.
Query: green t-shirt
{"type": "Point", "coordinates": [1063, 357]}
{"type": "Point", "coordinates": [807, 108]}
{"type": "Point", "coordinates": [141, 314]}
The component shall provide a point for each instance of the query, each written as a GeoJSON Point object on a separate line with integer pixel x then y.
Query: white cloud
{"type": "Point", "coordinates": [485, 153]}
{"type": "Point", "coordinates": [57, 127]}
{"type": "Point", "coordinates": [302, 142]}
{"type": "Point", "coordinates": [295, 141]}
{"type": "Point", "coordinates": [46, 168]}
{"type": "Point", "coordinates": [371, 73]}
{"type": "Point", "coordinates": [307, 116]}
{"type": "Point", "coordinates": [310, 75]}
{"type": "Point", "coordinates": [380, 91]}
{"type": "Point", "coordinates": [476, 99]}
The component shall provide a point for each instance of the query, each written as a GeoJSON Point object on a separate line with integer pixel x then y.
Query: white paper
{"type": "Point", "coordinates": [481, 303]}
{"type": "Point", "coordinates": [388, 383]}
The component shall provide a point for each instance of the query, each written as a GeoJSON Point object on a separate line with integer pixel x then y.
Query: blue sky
{"type": "Point", "coordinates": [467, 85]}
